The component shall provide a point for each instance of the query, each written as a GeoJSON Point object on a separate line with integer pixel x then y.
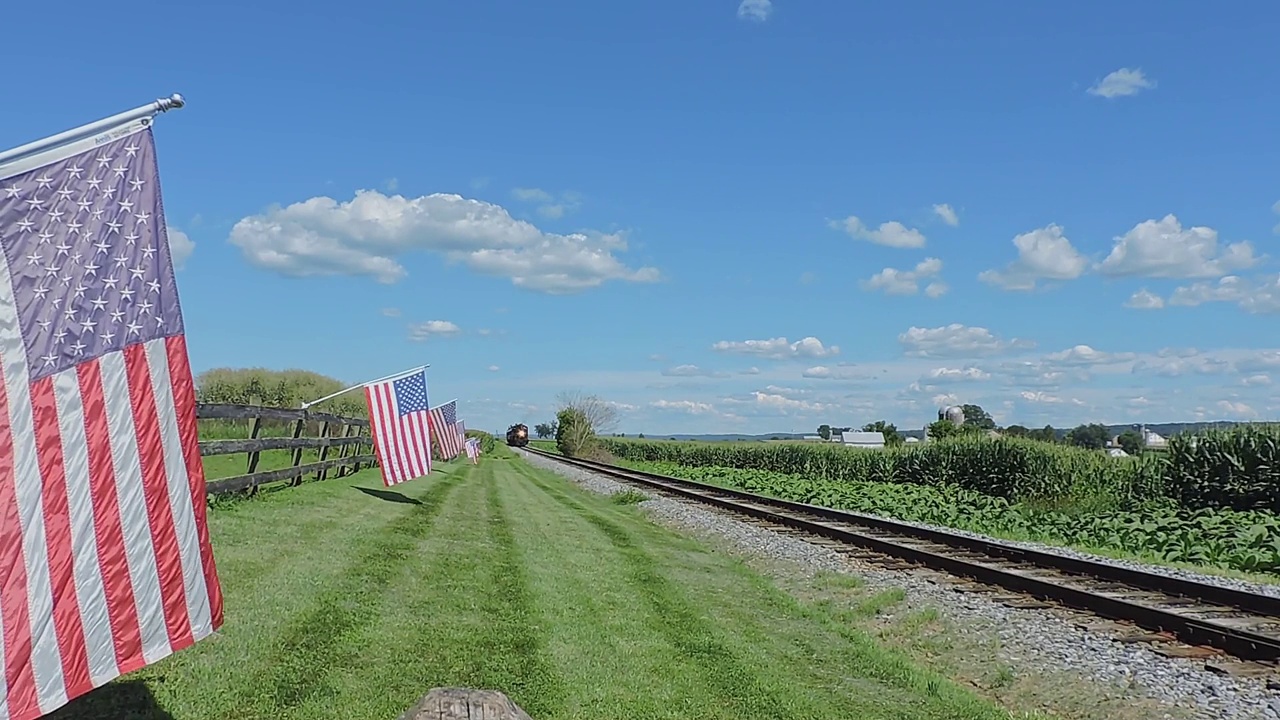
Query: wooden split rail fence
{"type": "Point", "coordinates": [347, 436]}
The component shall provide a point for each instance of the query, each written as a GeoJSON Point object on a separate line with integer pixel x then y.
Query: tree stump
{"type": "Point", "coordinates": [457, 703]}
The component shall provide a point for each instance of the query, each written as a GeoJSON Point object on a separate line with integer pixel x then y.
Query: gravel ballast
{"type": "Point", "coordinates": [1034, 638]}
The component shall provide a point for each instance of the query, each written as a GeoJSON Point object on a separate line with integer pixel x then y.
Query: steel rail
{"type": "Point", "coordinates": [851, 528]}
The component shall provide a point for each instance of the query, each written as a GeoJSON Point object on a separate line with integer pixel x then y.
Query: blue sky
{"type": "Point", "coordinates": [720, 216]}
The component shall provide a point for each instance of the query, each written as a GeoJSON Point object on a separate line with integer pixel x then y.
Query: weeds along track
{"type": "Point", "coordinates": [1209, 620]}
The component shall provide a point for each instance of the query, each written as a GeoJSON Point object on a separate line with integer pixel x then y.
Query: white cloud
{"type": "Point", "coordinates": [692, 371]}
{"type": "Point", "coordinates": [1083, 355]}
{"type": "Point", "coordinates": [1257, 297]}
{"type": "Point", "coordinates": [947, 214]}
{"type": "Point", "coordinates": [1043, 398]}
{"type": "Point", "coordinates": [1145, 300]}
{"type": "Point", "coordinates": [774, 404]}
{"type": "Point", "coordinates": [180, 248]}
{"type": "Point", "coordinates": [1236, 409]}
{"type": "Point", "coordinates": [778, 348]}
{"type": "Point", "coordinates": [891, 234]}
{"type": "Point", "coordinates": [757, 10]}
{"type": "Point", "coordinates": [431, 328]}
{"type": "Point", "coordinates": [956, 340]}
{"type": "Point", "coordinates": [494, 368]}
{"type": "Point", "coordinates": [751, 371]}
{"type": "Point", "coordinates": [1163, 249]}
{"type": "Point", "coordinates": [1259, 380]}
{"type": "Point", "coordinates": [1122, 82]}
{"type": "Point", "coordinates": [907, 282]}
{"type": "Point", "coordinates": [1171, 364]}
{"type": "Point", "coordinates": [365, 235]}
{"type": "Point", "coordinates": [391, 312]}
{"type": "Point", "coordinates": [1043, 254]}
{"type": "Point", "coordinates": [1260, 361]}
{"type": "Point", "coordinates": [818, 372]}
{"type": "Point", "coordinates": [945, 374]}
{"type": "Point", "coordinates": [688, 406]}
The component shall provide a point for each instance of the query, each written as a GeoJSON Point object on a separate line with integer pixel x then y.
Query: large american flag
{"type": "Point", "coordinates": [105, 560]}
{"type": "Point", "coordinates": [398, 423]}
{"type": "Point", "coordinates": [442, 426]}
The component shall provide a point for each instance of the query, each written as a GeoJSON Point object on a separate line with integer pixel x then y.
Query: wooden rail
{"type": "Point", "coordinates": [349, 435]}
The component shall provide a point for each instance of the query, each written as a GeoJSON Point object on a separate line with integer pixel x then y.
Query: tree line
{"type": "Point", "coordinates": [1092, 436]}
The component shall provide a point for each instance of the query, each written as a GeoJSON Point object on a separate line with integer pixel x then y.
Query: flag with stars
{"type": "Point", "coordinates": [398, 423]}
{"type": "Point", "coordinates": [105, 560]}
{"type": "Point", "coordinates": [443, 419]}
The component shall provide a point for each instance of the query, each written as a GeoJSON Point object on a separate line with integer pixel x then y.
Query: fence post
{"type": "Point", "coordinates": [254, 431]}
{"type": "Point", "coordinates": [344, 469]}
{"type": "Point", "coordinates": [324, 451]}
{"type": "Point", "coordinates": [298, 427]}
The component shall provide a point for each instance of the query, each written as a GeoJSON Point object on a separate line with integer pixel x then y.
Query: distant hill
{"type": "Point", "coordinates": [1164, 429]}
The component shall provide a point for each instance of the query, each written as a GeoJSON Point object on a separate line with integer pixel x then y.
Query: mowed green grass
{"type": "Point", "coordinates": [345, 599]}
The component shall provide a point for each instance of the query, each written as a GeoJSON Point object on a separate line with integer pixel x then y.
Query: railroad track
{"type": "Point", "coordinates": [1211, 620]}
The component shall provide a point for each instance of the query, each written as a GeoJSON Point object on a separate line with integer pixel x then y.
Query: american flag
{"type": "Point", "coordinates": [473, 449]}
{"type": "Point", "coordinates": [442, 420]}
{"type": "Point", "coordinates": [105, 560]}
{"type": "Point", "coordinates": [462, 432]}
{"type": "Point", "coordinates": [398, 423]}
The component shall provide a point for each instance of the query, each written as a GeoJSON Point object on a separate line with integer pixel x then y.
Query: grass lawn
{"type": "Point", "coordinates": [348, 600]}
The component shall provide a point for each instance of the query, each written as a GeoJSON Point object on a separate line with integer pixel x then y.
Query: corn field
{"type": "Point", "coordinates": [1237, 468]}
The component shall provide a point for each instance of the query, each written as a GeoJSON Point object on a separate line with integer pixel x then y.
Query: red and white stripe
{"type": "Point", "coordinates": [105, 558]}
{"type": "Point", "coordinates": [402, 444]}
{"type": "Point", "coordinates": [446, 435]}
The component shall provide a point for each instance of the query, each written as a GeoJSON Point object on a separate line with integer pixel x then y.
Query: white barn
{"type": "Point", "coordinates": [862, 439]}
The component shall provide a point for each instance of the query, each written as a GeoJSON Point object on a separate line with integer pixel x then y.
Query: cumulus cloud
{"type": "Point", "coordinates": [778, 348]}
{"type": "Point", "coordinates": [1081, 355]}
{"type": "Point", "coordinates": [494, 368]}
{"type": "Point", "coordinates": [1164, 249]}
{"type": "Point", "coordinates": [1261, 296]}
{"type": "Point", "coordinates": [432, 328]}
{"type": "Point", "coordinates": [180, 248]}
{"type": "Point", "coordinates": [773, 404]}
{"type": "Point", "coordinates": [692, 371]}
{"type": "Point", "coordinates": [751, 371]}
{"type": "Point", "coordinates": [1178, 364]}
{"type": "Point", "coordinates": [947, 214]}
{"type": "Point", "coordinates": [1043, 254]}
{"type": "Point", "coordinates": [967, 374]}
{"type": "Point", "coordinates": [907, 282]}
{"type": "Point", "coordinates": [756, 10]}
{"type": "Point", "coordinates": [1145, 300]}
{"type": "Point", "coordinates": [956, 340]}
{"type": "Point", "coordinates": [1122, 83]}
{"type": "Point", "coordinates": [891, 234]}
{"type": "Point", "coordinates": [823, 372]}
{"type": "Point", "coordinates": [689, 406]}
{"type": "Point", "coordinates": [364, 236]}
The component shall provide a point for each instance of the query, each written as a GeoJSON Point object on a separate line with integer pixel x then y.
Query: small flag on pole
{"type": "Point", "coordinates": [398, 422]}
{"type": "Point", "coordinates": [473, 449]}
{"type": "Point", "coordinates": [442, 428]}
{"type": "Point", "coordinates": [105, 559]}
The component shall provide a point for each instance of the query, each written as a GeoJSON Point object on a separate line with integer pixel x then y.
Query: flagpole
{"type": "Point", "coordinates": [357, 386]}
{"type": "Point", "coordinates": [172, 102]}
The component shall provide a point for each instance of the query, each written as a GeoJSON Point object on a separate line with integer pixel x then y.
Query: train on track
{"type": "Point", "coordinates": [518, 435]}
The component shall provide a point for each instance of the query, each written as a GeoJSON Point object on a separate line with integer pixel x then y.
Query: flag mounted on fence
{"type": "Point", "coordinates": [462, 432]}
{"type": "Point", "coordinates": [473, 449]}
{"type": "Point", "coordinates": [105, 559]}
{"type": "Point", "coordinates": [442, 428]}
{"type": "Point", "coordinates": [398, 422]}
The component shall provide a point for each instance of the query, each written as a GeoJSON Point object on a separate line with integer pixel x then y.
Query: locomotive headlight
{"type": "Point", "coordinates": [520, 433]}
